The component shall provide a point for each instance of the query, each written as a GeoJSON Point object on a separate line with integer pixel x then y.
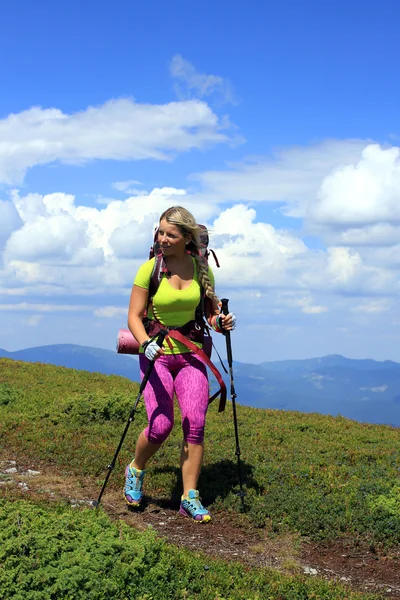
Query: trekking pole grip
{"type": "Point", "coordinates": [161, 337]}
{"type": "Point", "coordinates": [227, 334]}
{"type": "Point", "coordinates": [224, 306]}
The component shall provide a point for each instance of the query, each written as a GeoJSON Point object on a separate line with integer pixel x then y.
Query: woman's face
{"type": "Point", "coordinates": [171, 239]}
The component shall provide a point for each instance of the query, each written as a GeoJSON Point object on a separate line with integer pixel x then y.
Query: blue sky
{"type": "Point", "coordinates": [277, 125]}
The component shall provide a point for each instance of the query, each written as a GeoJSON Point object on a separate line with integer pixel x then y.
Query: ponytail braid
{"type": "Point", "coordinates": [205, 282]}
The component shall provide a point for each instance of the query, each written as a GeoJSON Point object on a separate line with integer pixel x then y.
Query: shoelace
{"type": "Point", "coordinates": [135, 481]}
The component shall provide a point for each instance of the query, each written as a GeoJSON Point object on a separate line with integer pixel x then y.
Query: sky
{"type": "Point", "coordinates": [276, 124]}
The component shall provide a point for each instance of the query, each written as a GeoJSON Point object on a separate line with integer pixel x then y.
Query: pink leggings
{"type": "Point", "coordinates": [186, 375]}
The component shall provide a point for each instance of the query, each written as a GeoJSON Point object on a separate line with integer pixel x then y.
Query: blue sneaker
{"type": "Point", "coordinates": [133, 485]}
{"type": "Point", "coordinates": [192, 507]}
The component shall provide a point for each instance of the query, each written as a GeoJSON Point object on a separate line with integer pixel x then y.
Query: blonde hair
{"type": "Point", "coordinates": [182, 218]}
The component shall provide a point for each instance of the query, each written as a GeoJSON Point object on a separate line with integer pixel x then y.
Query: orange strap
{"type": "Point", "coordinates": [181, 338]}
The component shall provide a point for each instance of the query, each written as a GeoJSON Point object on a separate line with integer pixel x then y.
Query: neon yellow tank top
{"type": "Point", "coordinates": [171, 306]}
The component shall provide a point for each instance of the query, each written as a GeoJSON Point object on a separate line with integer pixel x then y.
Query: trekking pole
{"type": "Point", "coordinates": [160, 340]}
{"type": "Point", "coordinates": [227, 335]}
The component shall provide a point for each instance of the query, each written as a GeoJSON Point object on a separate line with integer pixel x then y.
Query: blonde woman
{"type": "Point", "coordinates": [177, 370]}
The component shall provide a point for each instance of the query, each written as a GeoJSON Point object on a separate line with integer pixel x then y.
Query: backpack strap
{"type": "Point", "coordinates": [159, 268]}
{"type": "Point", "coordinates": [176, 335]}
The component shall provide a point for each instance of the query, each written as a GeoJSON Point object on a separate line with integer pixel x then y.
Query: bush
{"type": "Point", "coordinates": [55, 552]}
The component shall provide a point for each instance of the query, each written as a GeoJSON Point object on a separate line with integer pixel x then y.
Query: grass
{"type": "Point", "coordinates": [51, 551]}
{"type": "Point", "coordinates": [307, 475]}
{"type": "Point", "coordinates": [319, 476]}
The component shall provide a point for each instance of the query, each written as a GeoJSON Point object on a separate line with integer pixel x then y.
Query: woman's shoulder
{"type": "Point", "coordinates": [144, 272]}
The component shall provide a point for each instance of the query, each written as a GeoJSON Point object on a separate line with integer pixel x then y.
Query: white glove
{"type": "Point", "coordinates": [232, 320]}
{"type": "Point", "coordinates": [150, 348]}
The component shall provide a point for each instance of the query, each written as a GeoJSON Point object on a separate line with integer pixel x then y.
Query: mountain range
{"type": "Point", "coordinates": [364, 390]}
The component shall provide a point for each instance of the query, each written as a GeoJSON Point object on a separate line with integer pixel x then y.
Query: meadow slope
{"type": "Point", "coordinates": [322, 492]}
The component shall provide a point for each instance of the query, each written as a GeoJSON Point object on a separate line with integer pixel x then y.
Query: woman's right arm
{"type": "Point", "coordinates": [137, 306]}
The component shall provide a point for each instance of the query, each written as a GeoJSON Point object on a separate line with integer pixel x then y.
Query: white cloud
{"type": "Point", "coordinates": [378, 234]}
{"type": "Point", "coordinates": [65, 248]}
{"type": "Point", "coordinates": [28, 307]}
{"type": "Point", "coordinates": [360, 194]}
{"type": "Point", "coordinates": [110, 312]}
{"type": "Point", "coordinates": [55, 238]}
{"type": "Point", "coordinates": [59, 244]}
{"type": "Point", "coordinates": [129, 187]}
{"type": "Point", "coordinates": [192, 83]}
{"type": "Point", "coordinates": [289, 300]}
{"type": "Point", "coordinates": [291, 176]}
{"type": "Point", "coordinates": [380, 305]}
{"type": "Point", "coordinates": [343, 264]}
{"type": "Point", "coordinates": [252, 252]}
{"type": "Point", "coordinates": [120, 129]}
{"type": "Point", "coordinates": [124, 185]}
{"type": "Point", "coordinates": [9, 220]}
{"type": "Point", "coordinates": [35, 320]}
{"type": "Point", "coordinates": [309, 308]}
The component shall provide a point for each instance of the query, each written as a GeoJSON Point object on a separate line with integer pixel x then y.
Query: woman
{"type": "Point", "coordinates": [176, 369]}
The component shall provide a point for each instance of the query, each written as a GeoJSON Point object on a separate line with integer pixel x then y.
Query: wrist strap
{"type": "Point", "coordinates": [146, 343]}
{"type": "Point", "coordinates": [215, 323]}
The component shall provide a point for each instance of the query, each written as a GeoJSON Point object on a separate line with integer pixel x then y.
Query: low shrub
{"type": "Point", "coordinates": [50, 552]}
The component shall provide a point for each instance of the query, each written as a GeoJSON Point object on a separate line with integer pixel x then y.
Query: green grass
{"type": "Point", "coordinates": [319, 476]}
{"type": "Point", "coordinates": [52, 551]}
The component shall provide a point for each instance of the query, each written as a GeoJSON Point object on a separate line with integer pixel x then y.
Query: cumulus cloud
{"type": "Point", "coordinates": [53, 237]}
{"type": "Point", "coordinates": [195, 84]}
{"type": "Point", "coordinates": [9, 220]}
{"type": "Point", "coordinates": [347, 194]}
{"type": "Point", "coordinates": [253, 253]}
{"type": "Point", "coordinates": [63, 247]}
{"type": "Point", "coordinates": [363, 193]}
{"type": "Point", "coordinates": [53, 243]}
{"type": "Point", "coordinates": [120, 129]}
{"type": "Point", "coordinates": [343, 264]}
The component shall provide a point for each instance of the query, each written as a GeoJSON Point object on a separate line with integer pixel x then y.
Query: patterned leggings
{"type": "Point", "coordinates": [186, 375]}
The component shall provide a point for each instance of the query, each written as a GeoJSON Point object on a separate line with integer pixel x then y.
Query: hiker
{"type": "Point", "coordinates": [176, 368]}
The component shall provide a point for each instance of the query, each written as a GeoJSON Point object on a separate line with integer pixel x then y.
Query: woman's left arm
{"type": "Point", "coordinates": [212, 310]}
{"type": "Point", "coordinates": [217, 320]}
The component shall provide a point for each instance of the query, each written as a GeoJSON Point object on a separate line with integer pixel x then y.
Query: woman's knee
{"type": "Point", "coordinates": [159, 431]}
{"type": "Point", "coordinates": [192, 434]}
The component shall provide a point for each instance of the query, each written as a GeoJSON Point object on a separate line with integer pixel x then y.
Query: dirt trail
{"type": "Point", "coordinates": [359, 568]}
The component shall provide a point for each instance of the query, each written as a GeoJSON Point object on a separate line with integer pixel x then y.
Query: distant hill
{"type": "Point", "coordinates": [364, 390]}
{"type": "Point", "coordinates": [95, 360]}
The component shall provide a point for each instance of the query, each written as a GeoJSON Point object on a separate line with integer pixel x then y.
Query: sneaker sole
{"type": "Point", "coordinates": [205, 519]}
{"type": "Point", "coordinates": [134, 504]}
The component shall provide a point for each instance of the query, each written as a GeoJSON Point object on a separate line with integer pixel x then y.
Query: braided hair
{"type": "Point", "coordinates": [185, 221]}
